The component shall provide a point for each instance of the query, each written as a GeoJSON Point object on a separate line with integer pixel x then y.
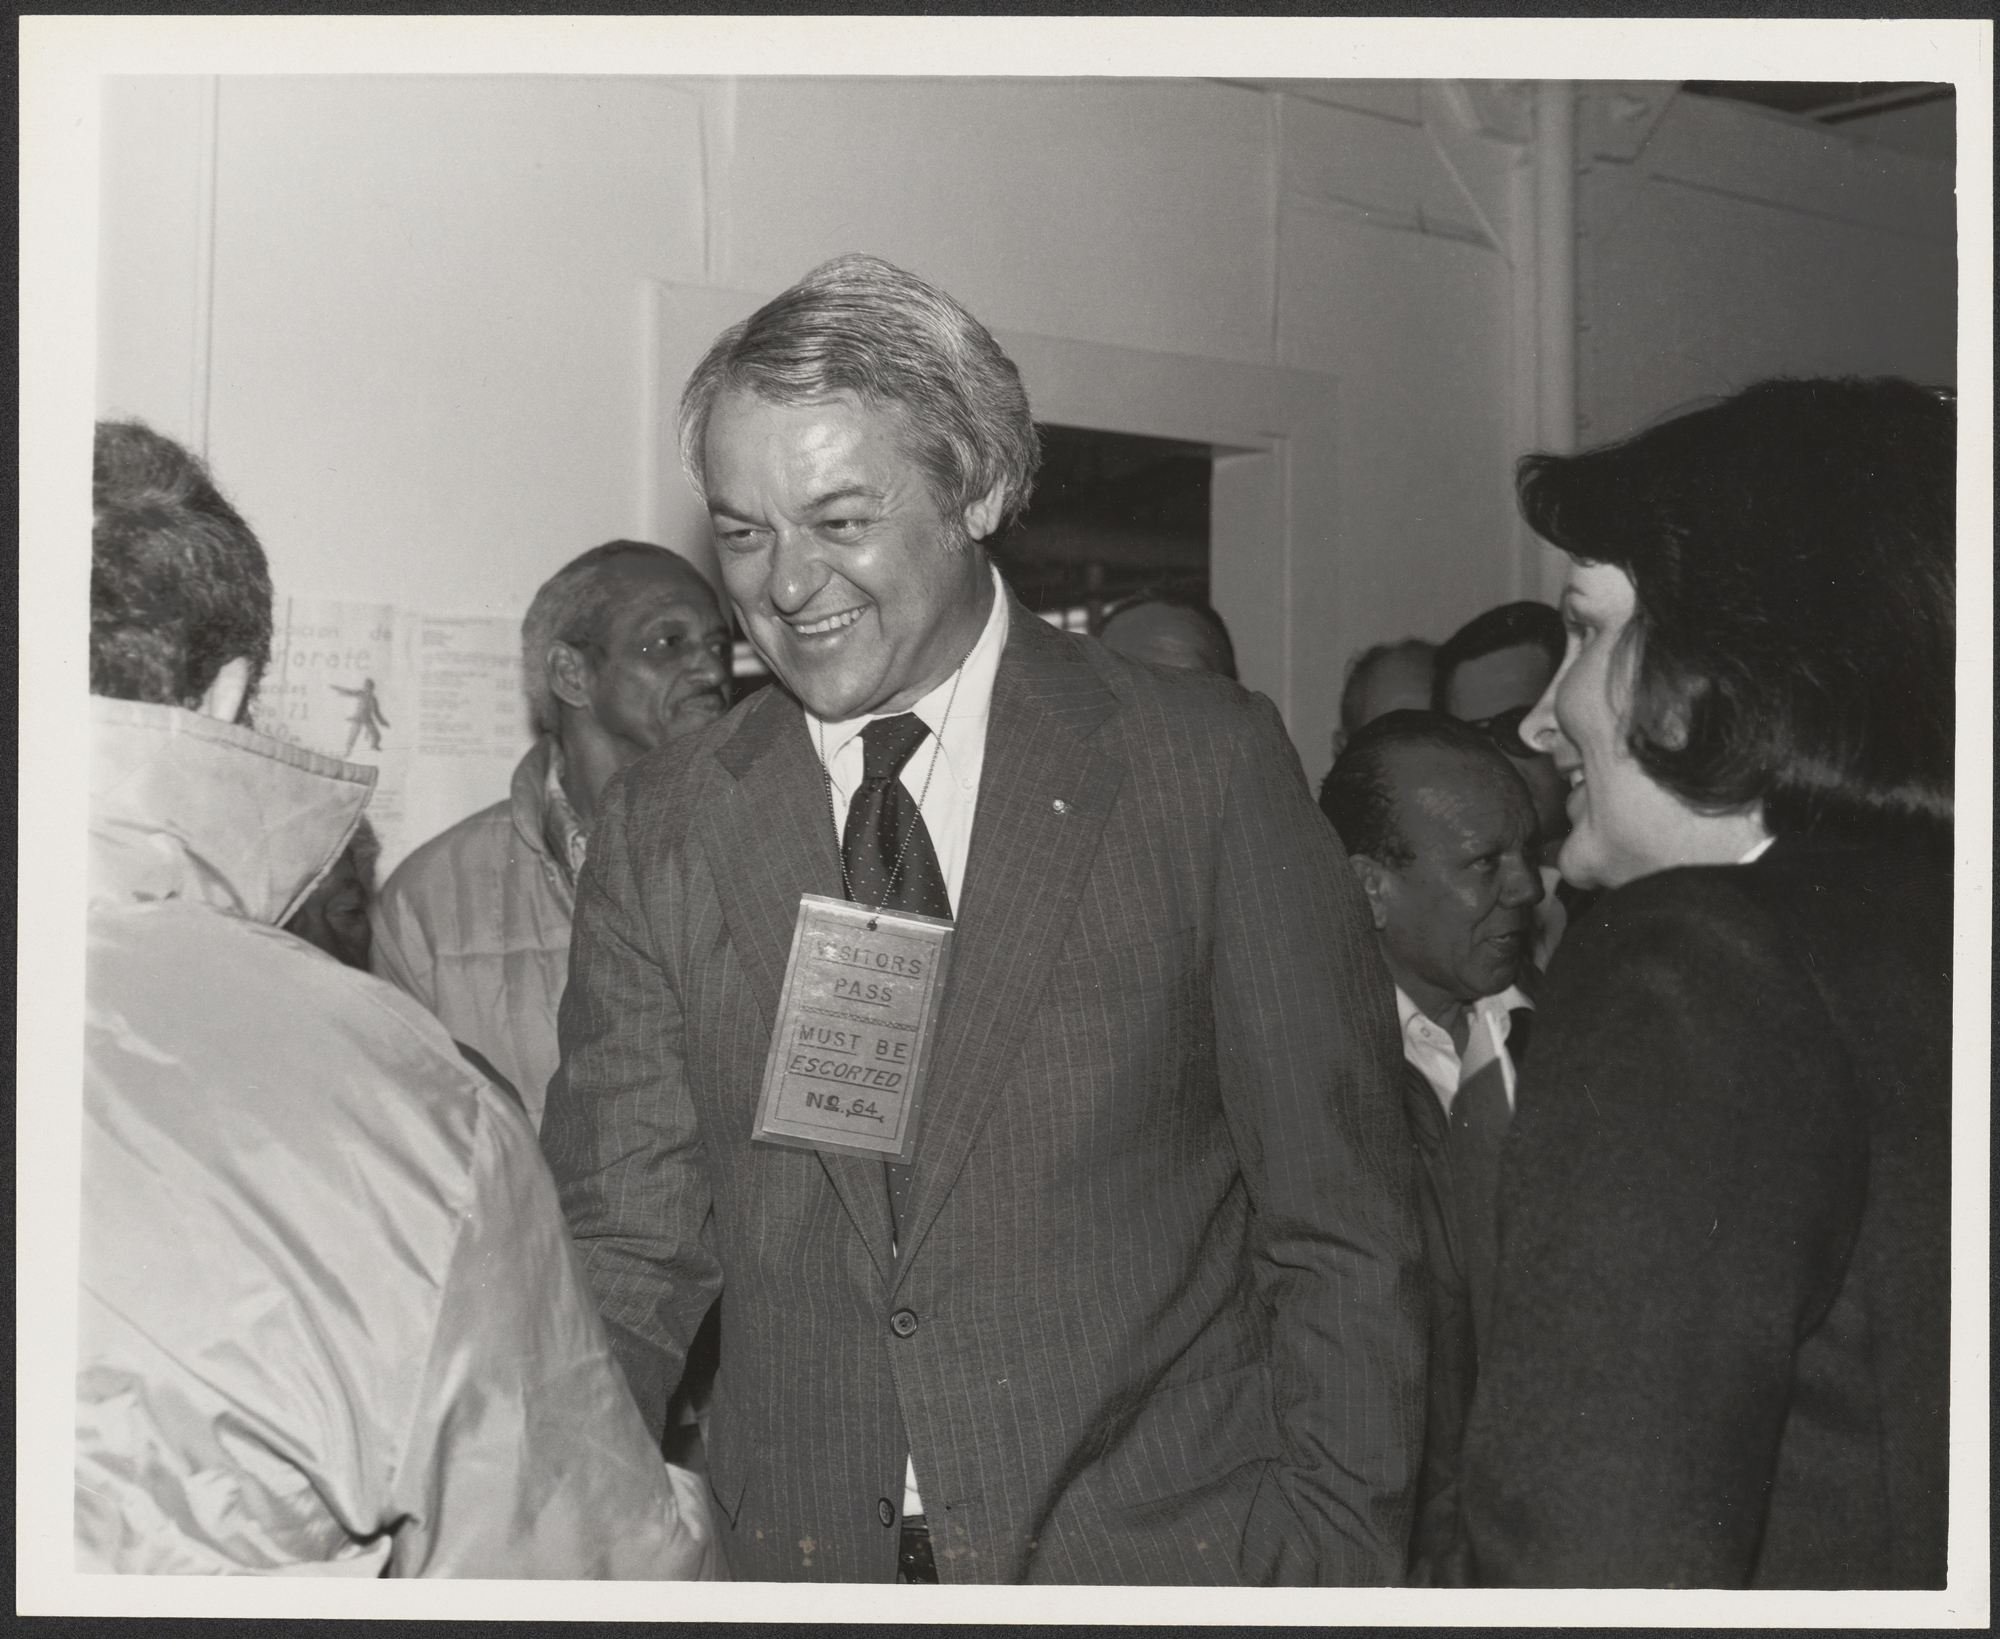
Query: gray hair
{"type": "Point", "coordinates": [857, 324]}
{"type": "Point", "coordinates": [573, 606]}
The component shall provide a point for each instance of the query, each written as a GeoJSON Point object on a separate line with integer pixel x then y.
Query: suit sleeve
{"type": "Point", "coordinates": [1311, 1076]}
{"type": "Point", "coordinates": [619, 1128]}
{"type": "Point", "coordinates": [524, 1455]}
{"type": "Point", "coordinates": [1678, 1196]}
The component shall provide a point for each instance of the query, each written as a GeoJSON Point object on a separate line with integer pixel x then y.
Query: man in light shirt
{"type": "Point", "coordinates": [1143, 1301]}
{"type": "Point", "coordinates": [1440, 830]}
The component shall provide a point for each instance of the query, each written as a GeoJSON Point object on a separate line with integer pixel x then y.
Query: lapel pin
{"type": "Point", "coordinates": [1061, 807]}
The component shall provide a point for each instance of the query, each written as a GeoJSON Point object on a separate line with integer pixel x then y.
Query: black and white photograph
{"type": "Point", "coordinates": [1155, 817]}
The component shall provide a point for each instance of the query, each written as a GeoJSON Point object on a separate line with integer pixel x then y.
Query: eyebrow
{"type": "Point", "coordinates": [851, 492]}
{"type": "Point", "coordinates": [832, 497]}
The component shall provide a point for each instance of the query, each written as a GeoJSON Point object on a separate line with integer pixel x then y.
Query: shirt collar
{"type": "Point", "coordinates": [969, 708]}
{"type": "Point", "coordinates": [1406, 1010]}
{"type": "Point", "coordinates": [1494, 1008]}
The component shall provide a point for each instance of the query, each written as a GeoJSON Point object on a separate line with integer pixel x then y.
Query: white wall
{"type": "Point", "coordinates": [153, 251]}
{"type": "Point", "coordinates": [1720, 243]}
{"type": "Point", "coordinates": [1391, 285]}
{"type": "Point", "coordinates": [426, 362]}
{"type": "Point", "coordinates": [1133, 212]}
{"type": "Point", "coordinates": [429, 375]}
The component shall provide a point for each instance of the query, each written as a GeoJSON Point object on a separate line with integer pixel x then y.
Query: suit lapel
{"type": "Point", "coordinates": [1045, 794]}
{"type": "Point", "coordinates": [771, 840]}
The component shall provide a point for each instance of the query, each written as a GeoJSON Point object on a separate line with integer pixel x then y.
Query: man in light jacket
{"type": "Point", "coordinates": [623, 649]}
{"type": "Point", "coordinates": [329, 1319]}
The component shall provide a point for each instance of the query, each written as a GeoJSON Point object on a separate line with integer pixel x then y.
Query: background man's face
{"type": "Point", "coordinates": [662, 665]}
{"type": "Point", "coordinates": [860, 595]}
{"type": "Point", "coordinates": [1513, 680]}
{"type": "Point", "coordinates": [1458, 921]}
{"type": "Point", "coordinates": [1167, 636]}
{"type": "Point", "coordinates": [335, 915]}
{"type": "Point", "coordinates": [1498, 682]}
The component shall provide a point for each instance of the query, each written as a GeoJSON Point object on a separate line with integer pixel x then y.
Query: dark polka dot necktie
{"type": "Point", "coordinates": [883, 824]}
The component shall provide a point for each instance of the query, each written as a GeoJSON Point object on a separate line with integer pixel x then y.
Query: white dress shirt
{"type": "Point", "coordinates": [1428, 1045]}
{"type": "Point", "coordinates": [959, 745]}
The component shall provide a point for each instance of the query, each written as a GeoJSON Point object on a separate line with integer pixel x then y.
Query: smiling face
{"type": "Point", "coordinates": [857, 591]}
{"type": "Point", "coordinates": [1623, 823]}
{"type": "Point", "coordinates": [660, 668]}
{"type": "Point", "coordinates": [1457, 922]}
{"type": "Point", "coordinates": [1512, 680]}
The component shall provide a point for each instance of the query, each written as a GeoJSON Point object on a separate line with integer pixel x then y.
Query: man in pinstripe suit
{"type": "Point", "coordinates": [1146, 1306]}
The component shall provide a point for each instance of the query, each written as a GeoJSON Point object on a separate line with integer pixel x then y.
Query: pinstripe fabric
{"type": "Point", "coordinates": [1163, 1252]}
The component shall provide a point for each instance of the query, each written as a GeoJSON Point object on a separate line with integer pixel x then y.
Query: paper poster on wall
{"type": "Point", "coordinates": [472, 722]}
{"type": "Point", "coordinates": [431, 702]}
{"type": "Point", "coordinates": [336, 685]}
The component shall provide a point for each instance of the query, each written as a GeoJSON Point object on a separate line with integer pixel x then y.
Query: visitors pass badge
{"type": "Point", "coordinates": [855, 1022]}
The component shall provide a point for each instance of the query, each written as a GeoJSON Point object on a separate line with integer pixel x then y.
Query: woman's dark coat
{"type": "Point", "coordinates": [1722, 1335]}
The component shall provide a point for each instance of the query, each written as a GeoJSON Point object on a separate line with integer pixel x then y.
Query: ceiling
{"type": "Point", "coordinates": [1916, 115]}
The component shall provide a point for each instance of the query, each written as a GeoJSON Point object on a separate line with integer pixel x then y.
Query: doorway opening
{"type": "Point", "coordinates": [1113, 515]}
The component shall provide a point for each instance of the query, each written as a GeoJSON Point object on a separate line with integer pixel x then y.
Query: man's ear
{"type": "Point", "coordinates": [982, 517]}
{"type": "Point", "coordinates": [223, 699]}
{"type": "Point", "coordinates": [569, 675]}
{"type": "Point", "coordinates": [1374, 882]}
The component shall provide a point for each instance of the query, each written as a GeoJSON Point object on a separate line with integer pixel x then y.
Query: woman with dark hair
{"type": "Point", "coordinates": [1720, 1352]}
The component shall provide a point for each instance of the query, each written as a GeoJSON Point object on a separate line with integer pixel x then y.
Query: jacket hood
{"type": "Point", "coordinates": [185, 807]}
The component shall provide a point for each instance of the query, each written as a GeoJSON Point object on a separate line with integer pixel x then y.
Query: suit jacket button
{"type": "Point", "coordinates": [903, 1323]}
{"type": "Point", "coordinates": [885, 1511]}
